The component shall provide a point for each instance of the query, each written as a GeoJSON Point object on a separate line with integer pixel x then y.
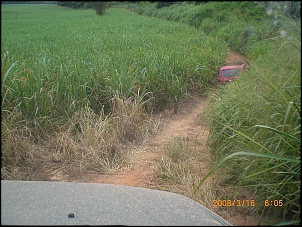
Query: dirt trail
{"type": "Point", "coordinates": [233, 57]}
{"type": "Point", "coordinates": [142, 161]}
{"type": "Point", "coordinates": [141, 165]}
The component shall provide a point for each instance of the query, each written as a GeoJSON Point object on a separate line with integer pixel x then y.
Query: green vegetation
{"type": "Point", "coordinates": [58, 63]}
{"type": "Point", "coordinates": [235, 23]}
{"type": "Point", "coordinates": [99, 7]}
{"type": "Point", "coordinates": [255, 122]}
{"type": "Point", "coordinates": [76, 88]}
{"type": "Point", "coordinates": [259, 116]}
{"type": "Point", "coordinates": [79, 59]}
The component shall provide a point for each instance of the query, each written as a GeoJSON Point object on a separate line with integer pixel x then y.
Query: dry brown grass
{"type": "Point", "coordinates": [21, 158]}
{"type": "Point", "coordinates": [130, 120]}
{"type": "Point", "coordinates": [182, 167]}
{"type": "Point", "coordinates": [86, 143]}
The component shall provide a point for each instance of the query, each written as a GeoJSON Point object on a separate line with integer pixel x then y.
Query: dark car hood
{"type": "Point", "coordinates": [50, 203]}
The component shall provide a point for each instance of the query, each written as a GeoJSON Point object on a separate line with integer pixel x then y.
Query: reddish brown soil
{"type": "Point", "coordinates": [234, 57]}
{"type": "Point", "coordinates": [142, 161]}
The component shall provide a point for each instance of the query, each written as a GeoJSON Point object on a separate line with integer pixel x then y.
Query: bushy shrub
{"type": "Point", "coordinates": [161, 4]}
{"type": "Point", "coordinates": [72, 4]}
{"type": "Point", "coordinates": [99, 7]}
{"type": "Point", "coordinates": [210, 25]}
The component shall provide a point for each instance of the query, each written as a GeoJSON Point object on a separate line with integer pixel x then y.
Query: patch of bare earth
{"type": "Point", "coordinates": [141, 163]}
{"type": "Point", "coordinates": [235, 57]}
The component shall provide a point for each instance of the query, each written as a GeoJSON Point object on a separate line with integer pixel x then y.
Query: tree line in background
{"type": "Point", "coordinates": [289, 8]}
{"type": "Point", "coordinates": [28, 2]}
{"type": "Point", "coordinates": [99, 7]}
{"type": "Point", "coordinates": [85, 4]}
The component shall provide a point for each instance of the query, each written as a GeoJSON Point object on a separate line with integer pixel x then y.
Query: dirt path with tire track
{"type": "Point", "coordinates": [140, 168]}
{"type": "Point", "coordinates": [141, 164]}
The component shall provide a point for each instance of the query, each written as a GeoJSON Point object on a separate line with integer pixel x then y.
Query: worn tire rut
{"type": "Point", "coordinates": [143, 159]}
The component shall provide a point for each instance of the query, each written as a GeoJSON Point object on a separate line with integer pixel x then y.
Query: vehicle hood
{"type": "Point", "coordinates": [50, 203]}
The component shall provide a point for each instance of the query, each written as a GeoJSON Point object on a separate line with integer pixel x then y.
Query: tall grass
{"type": "Point", "coordinates": [255, 128]}
{"type": "Point", "coordinates": [63, 70]}
{"type": "Point", "coordinates": [59, 59]}
{"type": "Point", "coordinates": [87, 142]}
